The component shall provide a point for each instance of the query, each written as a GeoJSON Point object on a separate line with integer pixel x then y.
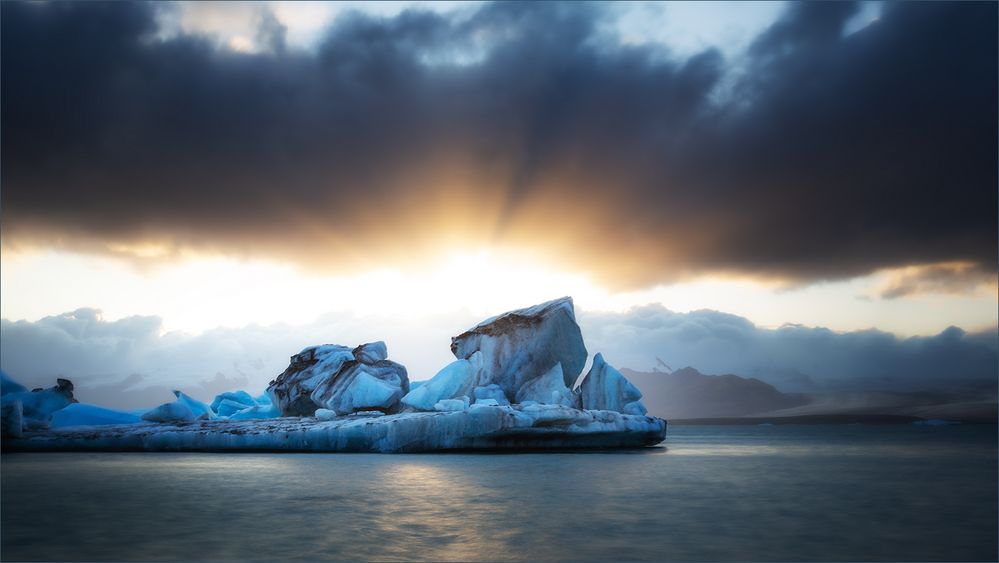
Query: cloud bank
{"type": "Point", "coordinates": [795, 357]}
{"type": "Point", "coordinates": [818, 154]}
{"type": "Point", "coordinates": [130, 363]}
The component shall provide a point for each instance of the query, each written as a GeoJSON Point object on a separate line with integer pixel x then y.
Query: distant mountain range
{"type": "Point", "coordinates": [689, 394]}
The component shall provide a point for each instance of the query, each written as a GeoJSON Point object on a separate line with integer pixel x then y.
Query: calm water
{"type": "Point", "coordinates": [778, 493]}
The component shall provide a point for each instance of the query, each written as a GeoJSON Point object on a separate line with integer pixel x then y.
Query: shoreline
{"type": "Point", "coordinates": [824, 419]}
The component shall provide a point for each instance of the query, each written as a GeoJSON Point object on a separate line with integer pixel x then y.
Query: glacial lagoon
{"type": "Point", "coordinates": [711, 493]}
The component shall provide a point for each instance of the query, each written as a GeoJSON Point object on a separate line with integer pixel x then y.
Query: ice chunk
{"type": "Point", "coordinates": [340, 379]}
{"type": "Point", "coordinates": [325, 414]}
{"type": "Point", "coordinates": [456, 379]}
{"type": "Point", "coordinates": [548, 389]}
{"type": "Point", "coordinates": [292, 391]}
{"type": "Point", "coordinates": [486, 403]}
{"type": "Point", "coordinates": [228, 407]}
{"type": "Point", "coordinates": [81, 414]}
{"type": "Point", "coordinates": [259, 411]}
{"type": "Point", "coordinates": [238, 397]}
{"type": "Point", "coordinates": [39, 405]}
{"type": "Point", "coordinates": [493, 392]}
{"type": "Point", "coordinates": [525, 344]}
{"type": "Point", "coordinates": [361, 386]}
{"type": "Point", "coordinates": [200, 410]}
{"type": "Point", "coordinates": [8, 385]}
{"type": "Point", "coordinates": [451, 405]}
{"type": "Point", "coordinates": [635, 407]}
{"type": "Point", "coordinates": [11, 419]}
{"type": "Point", "coordinates": [177, 411]}
{"type": "Point", "coordinates": [605, 388]}
{"type": "Point", "coordinates": [371, 352]}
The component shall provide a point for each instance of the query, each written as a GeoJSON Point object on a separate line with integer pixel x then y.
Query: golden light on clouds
{"type": "Point", "coordinates": [201, 292]}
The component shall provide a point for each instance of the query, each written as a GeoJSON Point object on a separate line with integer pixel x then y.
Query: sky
{"type": "Point", "coordinates": [192, 192]}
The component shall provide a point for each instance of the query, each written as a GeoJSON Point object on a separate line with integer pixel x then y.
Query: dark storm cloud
{"type": "Point", "coordinates": [828, 156]}
{"type": "Point", "coordinates": [940, 278]}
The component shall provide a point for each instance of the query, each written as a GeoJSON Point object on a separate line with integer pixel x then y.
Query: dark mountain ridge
{"type": "Point", "coordinates": [688, 393]}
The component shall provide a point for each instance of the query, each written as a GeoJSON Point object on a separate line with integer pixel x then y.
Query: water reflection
{"type": "Point", "coordinates": [715, 494]}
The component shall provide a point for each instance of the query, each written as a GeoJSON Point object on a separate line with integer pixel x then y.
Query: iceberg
{"type": "Point", "coordinates": [548, 389]}
{"type": "Point", "coordinates": [359, 386]}
{"type": "Point", "coordinates": [81, 414]}
{"type": "Point", "coordinates": [525, 344]}
{"type": "Point", "coordinates": [200, 410]}
{"type": "Point", "coordinates": [11, 419]}
{"type": "Point", "coordinates": [8, 385]}
{"type": "Point", "coordinates": [340, 379]}
{"type": "Point", "coordinates": [227, 408]}
{"type": "Point", "coordinates": [225, 404]}
{"type": "Point", "coordinates": [605, 388]}
{"type": "Point", "coordinates": [38, 405]}
{"type": "Point", "coordinates": [257, 411]}
{"type": "Point", "coordinates": [177, 411]}
{"type": "Point", "coordinates": [491, 392]}
{"type": "Point", "coordinates": [538, 427]}
{"type": "Point", "coordinates": [455, 380]}
{"type": "Point", "coordinates": [371, 353]}
{"type": "Point", "coordinates": [292, 391]}
{"type": "Point", "coordinates": [333, 398]}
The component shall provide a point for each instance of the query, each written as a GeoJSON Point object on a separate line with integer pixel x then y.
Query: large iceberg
{"type": "Point", "coordinates": [540, 427]}
{"type": "Point", "coordinates": [510, 387]}
{"type": "Point", "coordinates": [518, 352]}
{"type": "Point", "coordinates": [525, 344]}
{"type": "Point", "coordinates": [340, 379]}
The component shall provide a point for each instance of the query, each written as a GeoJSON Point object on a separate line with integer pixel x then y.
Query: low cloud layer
{"type": "Point", "coordinates": [132, 363]}
{"type": "Point", "coordinates": [819, 154]}
{"type": "Point", "coordinates": [128, 363]}
{"type": "Point", "coordinates": [795, 357]}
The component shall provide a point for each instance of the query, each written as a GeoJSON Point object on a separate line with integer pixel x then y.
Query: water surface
{"type": "Point", "coordinates": [735, 493]}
